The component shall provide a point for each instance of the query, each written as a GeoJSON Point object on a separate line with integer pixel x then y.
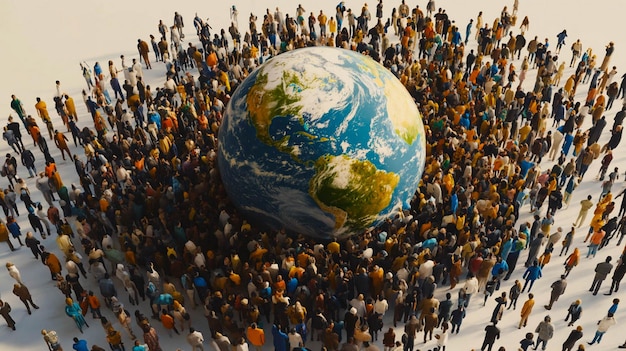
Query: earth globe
{"type": "Point", "coordinates": [321, 141]}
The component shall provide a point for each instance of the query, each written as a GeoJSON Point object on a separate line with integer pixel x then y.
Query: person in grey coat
{"type": "Point", "coordinates": [602, 270]}
{"type": "Point", "coordinates": [534, 247]}
{"type": "Point", "coordinates": [545, 332]}
{"type": "Point", "coordinates": [558, 289]}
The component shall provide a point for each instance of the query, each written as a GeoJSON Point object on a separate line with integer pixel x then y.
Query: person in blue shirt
{"type": "Point", "coordinates": [139, 347]}
{"type": "Point", "coordinates": [281, 339]}
{"type": "Point", "coordinates": [532, 273]}
{"type": "Point", "coordinates": [468, 30]}
{"type": "Point", "coordinates": [80, 345]}
{"type": "Point", "coordinates": [525, 165]}
{"type": "Point", "coordinates": [560, 40]}
{"type": "Point", "coordinates": [613, 307]}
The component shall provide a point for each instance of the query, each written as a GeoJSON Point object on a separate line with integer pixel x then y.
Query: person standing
{"type": "Point", "coordinates": [573, 336]}
{"type": "Point", "coordinates": [558, 289]}
{"type": "Point", "coordinates": [296, 340]}
{"type": "Point", "coordinates": [17, 106]}
{"type": "Point", "coordinates": [195, 339]}
{"type": "Point", "coordinates": [389, 340]}
{"type": "Point", "coordinates": [491, 334]}
{"type": "Point", "coordinates": [114, 338]}
{"type": "Point", "coordinates": [456, 319]}
{"type": "Point", "coordinates": [280, 338]}
{"type": "Point", "coordinates": [526, 310]}
{"type": "Point", "coordinates": [52, 340]}
{"type": "Point", "coordinates": [618, 275]}
{"type": "Point", "coordinates": [14, 272]}
{"type": "Point", "coordinates": [28, 161]}
{"type": "Point", "coordinates": [545, 332]}
{"type": "Point", "coordinates": [61, 142]}
{"type": "Point", "coordinates": [42, 111]}
{"type": "Point", "coordinates": [20, 290]}
{"type": "Point", "coordinates": [531, 274]}
{"type": "Point", "coordinates": [168, 322]}
{"type": "Point", "coordinates": [575, 310]}
{"type": "Point", "coordinates": [602, 270]}
{"type": "Point", "coordinates": [80, 345]}
{"type": "Point", "coordinates": [603, 326]}
{"type": "Point", "coordinates": [585, 205]}
{"type": "Point", "coordinates": [470, 288]}
{"type": "Point", "coordinates": [144, 49]}
{"type": "Point", "coordinates": [5, 310]}
{"type": "Point", "coordinates": [514, 294]}
{"type": "Point", "coordinates": [256, 336]}
{"type": "Point", "coordinates": [151, 338]}
{"type": "Point", "coordinates": [595, 241]}
{"type": "Point", "coordinates": [571, 261]}
{"type": "Point", "coordinates": [17, 133]}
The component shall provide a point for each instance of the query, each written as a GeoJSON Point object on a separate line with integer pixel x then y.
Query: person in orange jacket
{"type": "Point", "coordinates": [256, 336]}
{"type": "Point", "coordinates": [168, 322]}
{"type": "Point", "coordinates": [526, 310]}
{"type": "Point", "coordinates": [94, 304]}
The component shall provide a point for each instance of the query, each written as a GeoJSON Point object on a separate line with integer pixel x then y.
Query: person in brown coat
{"type": "Point", "coordinates": [53, 263]}
{"type": "Point", "coordinates": [429, 303]}
{"type": "Point", "coordinates": [144, 49]}
{"type": "Point", "coordinates": [21, 291]}
{"type": "Point", "coordinates": [331, 339]}
{"type": "Point", "coordinates": [4, 236]}
{"type": "Point", "coordinates": [61, 142]}
{"type": "Point", "coordinates": [5, 309]}
{"type": "Point", "coordinates": [430, 321]}
{"type": "Point", "coordinates": [484, 271]}
{"type": "Point", "coordinates": [389, 339]}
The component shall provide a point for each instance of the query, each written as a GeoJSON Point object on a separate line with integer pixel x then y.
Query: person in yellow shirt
{"type": "Point", "coordinates": [71, 107]}
{"type": "Point", "coordinates": [332, 26]}
{"type": "Point", "coordinates": [42, 111]}
{"type": "Point", "coordinates": [322, 19]}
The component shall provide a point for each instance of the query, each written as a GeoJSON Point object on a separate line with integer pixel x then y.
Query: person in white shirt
{"type": "Point", "coordinates": [295, 339]}
{"type": "Point", "coordinates": [381, 305]}
{"type": "Point", "coordinates": [195, 339]}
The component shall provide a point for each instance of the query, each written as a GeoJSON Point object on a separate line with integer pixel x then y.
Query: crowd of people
{"type": "Point", "coordinates": [153, 224]}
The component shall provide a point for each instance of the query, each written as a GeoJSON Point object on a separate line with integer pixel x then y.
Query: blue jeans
{"type": "Point", "coordinates": [593, 249]}
{"type": "Point", "coordinates": [597, 337]}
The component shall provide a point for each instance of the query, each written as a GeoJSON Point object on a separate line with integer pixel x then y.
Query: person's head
{"type": "Point", "coordinates": [531, 296]}
{"type": "Point", "coordinates": [615, 301]}
{"type": "Point", "coordinates": [529, 336]}
{"type": "Point", "coordinates": [547, 319]}
{"type": "Point", "coordinates": [75, 339]}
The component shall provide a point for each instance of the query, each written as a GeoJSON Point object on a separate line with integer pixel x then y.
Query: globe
{"type": "Point", "coordinates": [321, 141]}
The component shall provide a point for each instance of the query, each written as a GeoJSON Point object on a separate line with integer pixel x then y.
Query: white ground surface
{"type": "Point", "coordinates": [44, 41]}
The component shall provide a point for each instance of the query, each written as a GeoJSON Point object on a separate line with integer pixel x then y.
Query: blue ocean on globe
{"type": "Point", "coordinates": [321, 141]}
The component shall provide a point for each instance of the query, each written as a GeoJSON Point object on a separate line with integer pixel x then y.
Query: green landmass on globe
{"type": "Point", "coordinates": [321, 141]}
{"type": "Point", "coordinates": [353, 191]}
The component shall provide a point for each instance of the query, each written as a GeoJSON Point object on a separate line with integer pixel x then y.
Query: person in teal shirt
{"type": "Point", "coordinates": [16, 105]}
